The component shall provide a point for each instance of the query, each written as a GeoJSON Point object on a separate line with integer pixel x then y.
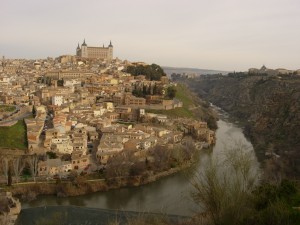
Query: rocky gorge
{"type": "Point", "coordinates": [268, 107]}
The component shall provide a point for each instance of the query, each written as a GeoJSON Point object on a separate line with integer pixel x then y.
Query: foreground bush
{"type": "Point", "coordinates": [230, 192]}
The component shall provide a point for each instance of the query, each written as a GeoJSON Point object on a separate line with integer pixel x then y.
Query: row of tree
{"type": "Point", "coordinates": [16, 165]}
{"type": "Point", "coordinates": [143, 90]}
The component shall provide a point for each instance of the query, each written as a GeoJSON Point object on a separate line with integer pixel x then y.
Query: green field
{"type": "Point", "coordinates": [14, 136]}
{"type": "Point", "coordinates": [173, 113]}
{"type": "Point", "coordinates": [184, 95]}
{"type": "Point", "coordinates": [7, 108]}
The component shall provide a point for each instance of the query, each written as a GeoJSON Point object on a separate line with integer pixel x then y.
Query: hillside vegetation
{"type": "Point", "coordinates": [193, 107]}
{"type": "Point", "coordinates": [7, 108]}
{"type": "Point", "coordinates": [152, 72]}
{"type": "Point", "coordinates": [14, 136]}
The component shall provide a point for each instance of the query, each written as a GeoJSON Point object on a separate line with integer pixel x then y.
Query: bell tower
{"type": "Point", "coordinates": [110, 51]}
{"type": "Point", "coordinates": [3, 62]}
{"type": "Point", "coordinates": [84, 51]}
{"type": "Point", "coordinates": [78, 50]}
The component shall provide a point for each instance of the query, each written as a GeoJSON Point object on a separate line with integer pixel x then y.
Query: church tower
{"type": "Point", "coordinates": [110, 51]}
{"type": "Point", "coordinates": [78, 50]}
{"type": "Point", "coordinates": [84, 50]}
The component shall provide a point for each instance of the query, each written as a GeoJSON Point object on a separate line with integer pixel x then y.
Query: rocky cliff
{"type": "Point", "coordinates": [9, 208]}
{"type": "Point", "coordinates": [270, 108]}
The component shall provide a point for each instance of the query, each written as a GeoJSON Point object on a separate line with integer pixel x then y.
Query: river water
{"type": "Point", "coordinates": [171, 195]}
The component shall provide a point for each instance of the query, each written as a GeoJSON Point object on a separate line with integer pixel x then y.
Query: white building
{"type": "Point", "coordinates": [62, 145]}
{"type": "Point", "coordinates": [71, 83]}
{"type": "Point", "coordinates": [57, 100]}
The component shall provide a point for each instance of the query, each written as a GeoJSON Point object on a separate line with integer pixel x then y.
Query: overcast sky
{"type": "Point", "coordinates": [214, 34]}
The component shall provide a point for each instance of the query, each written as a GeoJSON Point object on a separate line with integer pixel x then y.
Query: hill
{"type": "Point", "coordinates": [169, 70]}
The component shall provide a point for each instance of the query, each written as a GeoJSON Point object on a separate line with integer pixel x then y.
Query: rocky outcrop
{"type": "Point", "coordinates": [9, 209]}
{"type": "Point", "coordinates": [270, 108]}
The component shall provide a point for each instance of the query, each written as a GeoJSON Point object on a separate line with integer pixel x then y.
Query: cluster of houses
{"type": "Point", "coordinates": [273, 72]}
{"type": "Point", "coordinates": [84, 111]}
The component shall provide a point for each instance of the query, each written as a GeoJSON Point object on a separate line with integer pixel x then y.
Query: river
{"type": "Point", "coordinates": [171, 195]}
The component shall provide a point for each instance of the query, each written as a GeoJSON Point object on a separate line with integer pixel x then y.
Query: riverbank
{"type": "Point", "coordinates": [80, 186]}
{"type": "Point", "coordinates": [168, 195]}
{"type": "Point", "coordinates": [9, 208]}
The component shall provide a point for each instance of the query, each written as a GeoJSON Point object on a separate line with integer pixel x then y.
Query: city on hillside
{"type": "Point", "coordinates": [81, 114]}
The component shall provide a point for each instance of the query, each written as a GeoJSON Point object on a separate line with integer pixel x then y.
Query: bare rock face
{"type": "Point", "coordinates": [9, 209]}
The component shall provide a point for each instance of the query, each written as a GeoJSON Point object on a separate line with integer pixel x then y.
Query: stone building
{"type": "Point", "coordinates": [105, 53]}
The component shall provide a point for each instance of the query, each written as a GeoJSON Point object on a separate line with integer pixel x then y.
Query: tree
{"type": "Point", "coordinates": [273, 204]}
{"type": "Point", "coordinates": [155, 89]}
{"type": "Point", "coordinates": [152, 72]}
{"type": "Point", "coordinates": [118, 166]}
{"type": "Point", "coordinates": [138, 168]}
{"type": "Point", "coordinates": [188, 148]}
{"type": "Point", "coordinates": [225, 187]}
{"type": "Point", "coordinates": [9, 177]}
{"type": "Point", "coordinates": [33, 164]}
{"type": "Point", "coordinates": [5, 166]}
{"type": "Point", "coordinates": [51, 155]}
{"type": "Point", "coordinates": [33, 111]}
{"type": "Point", "coordinates": [18, 166]}
{"type": "Point", "coordinates": [144, 90]}
{"type": "Point", "coordinates": [162, 157]}
{"type": "Point", "coordinates": [171, 92]}
{"type": "Point", "coordinates": [150, 90]}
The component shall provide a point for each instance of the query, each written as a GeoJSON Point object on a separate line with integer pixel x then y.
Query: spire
{"type": "Point", "coordinates": [84, 44]}
{"type": "Point", "coordinates": [103, 45]}
{"type": "Point", "coordinates": [78, 46]}
{"type": "Point", "coordinates": [263, 67]}
{"type": "Point", "coordinates": [3, 62]}
{"type": "Point", "coordinates": [110, 45]}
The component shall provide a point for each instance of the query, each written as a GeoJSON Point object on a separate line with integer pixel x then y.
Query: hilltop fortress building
{"type": "Point", "coordinates": [105, 53]}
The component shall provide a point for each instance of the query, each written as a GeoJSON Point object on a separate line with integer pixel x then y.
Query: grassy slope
{"type": "Point", "coordinates": [14, 136]}
{"type": "Point", "coordinates": [184, 95]}
{"type": "Point", "coordinates": [7, 108]}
